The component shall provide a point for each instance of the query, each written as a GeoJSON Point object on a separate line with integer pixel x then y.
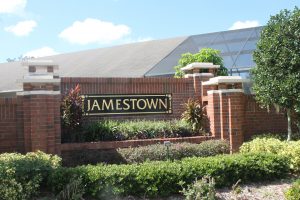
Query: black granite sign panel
{"type": "Point", "coordinates": [127, 104]}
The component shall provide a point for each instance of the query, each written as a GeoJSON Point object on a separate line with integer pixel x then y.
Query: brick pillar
{"type": "Point", "coordinates": [214, 114]}
{"type": "Point", "coordinates": [39, 109]}
{"type": "Point", "coordinates": [41, 122]}
{"type": "Point", "coordinates": [225, 110]}
{"type": "Point", "coordinates": [197, 80]}
{"type": "Point", "coordinates": [236, 111]}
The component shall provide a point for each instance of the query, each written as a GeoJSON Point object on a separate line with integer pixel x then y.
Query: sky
{"type": "Point", "coordinates": [37, 28]}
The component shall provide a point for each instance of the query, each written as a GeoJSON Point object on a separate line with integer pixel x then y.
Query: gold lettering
{"type": "Point", "coordinates": [95, 104]}
{"type": "Point", "coordinates": [152, 103]}
{"type": "Point", "coordinates": [110, 104]}
{"type": "Point", "coordinates": [125, 101]}
{"type": "Point", "coordinates": [139, 106]}
{"type": "Point", "coordinates": [118, 103]}
{"type": "Point", "coordinates": [132, 101]}
{"type": "Point", "coordinates": [88, 105]}
{"type": "Point", "coordinates": [163, 103]}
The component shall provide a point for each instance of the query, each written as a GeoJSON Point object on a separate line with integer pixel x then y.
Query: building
{"type": "Point", "coordinates": [145, 59]}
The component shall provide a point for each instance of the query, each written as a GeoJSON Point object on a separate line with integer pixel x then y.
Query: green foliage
{"type": "Point", "coordinates": [176, 151]}
{"type": "Point", "coordinates": [22, 175]}
{"type": "Point", "coordinates": [290, 149]}
{"type": "Point", "coordinates": [204, 55]}
{"type": "Point", "coordinates": [277, 74]}
{"type": "Point", "coordinates": [74, 190]}
{"type": "Point", "coordinates": [201, 190]}
{"type": "Point", "coordinates": [128, 130]}
{"type": "Point", "coordinates": [280, 136]}
{"type": "Point", "coordinates": [163, 178]}
{"type": "Point", "coordinates": [293, 193]}
{"type": "Point", "coordinates": [71, 109]}
{"type": "Point", "coordinates": [195, 115]}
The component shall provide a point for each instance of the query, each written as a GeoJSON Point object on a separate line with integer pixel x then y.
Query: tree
{"type": "Point", "coordinates": [276, 76]}
{"type": "Point", "coordinates": [204, 55]}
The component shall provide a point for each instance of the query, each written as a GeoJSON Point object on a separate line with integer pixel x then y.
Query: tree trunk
{"type": "Point", "coordinates": [289, 125]}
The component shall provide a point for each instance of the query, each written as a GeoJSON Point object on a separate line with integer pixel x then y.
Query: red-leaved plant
{"type": "Point", "coordinates": [71, 109]}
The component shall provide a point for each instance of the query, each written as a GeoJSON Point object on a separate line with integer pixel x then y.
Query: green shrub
{"type": "Point", "coordinates": [293, 193]}
{"type": "Point", "coordinates": [280, 136]}
{"type": "Point", "coordinates": [129, 130]}
{"type": "Point", "coordinates": [163, 178]}
{"type": "Point", "coordinates": [203, 189]}
{"type": "Point", "coordinates": [176, 151]}
{"type": "Point", "coordinates": [290, 149]}
{"type": "Point", "coordinates": [22, 175]}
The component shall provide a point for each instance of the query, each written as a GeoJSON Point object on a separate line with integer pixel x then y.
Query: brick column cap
{"type": "Point", "coordinates": [200, 65]}
{"type": "Point", "coordinates": [225, 79]}
{"type": "Point", "coordinates": [198, 75]}
{"type": "Point", "coordinates": [225, 91]}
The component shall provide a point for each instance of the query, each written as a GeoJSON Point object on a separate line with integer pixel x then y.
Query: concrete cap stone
{"type": "Point", "coordinates": [200, 65]}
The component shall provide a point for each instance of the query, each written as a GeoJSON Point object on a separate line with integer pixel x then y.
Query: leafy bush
{"type": "Point", "coordinates": [22, 175]}
{"type": "Point", "coordinates": [176, 151]}
{"type": "Point", "coordinates": [204, 55]}
{"type": "Point", "coordinates": [280, 136]}
{"type": "Point", "coordinates": [290, 149]}
{"type": "Point", "coordinates": [195, 115]}
{"type": "Point", "coordinates": [128, 130]}
{"type": "Point", "coordinates": [203, 189]}
{"type": "Point", "coordinates": [165, 177]}
{"type": "Point", "coordinates": [293, 193]}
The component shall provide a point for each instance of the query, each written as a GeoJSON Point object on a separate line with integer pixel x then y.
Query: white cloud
{"type": "Point", "coordinates": [94, 31]}
{"type": "Point", "coordinates": [41, 52]}
{"type": "Point", "coordinates": [244, 24]}
{"type": "Point", "coordinates": [12, 6]}
{"type": "Point", "coordinates": [22, 28]}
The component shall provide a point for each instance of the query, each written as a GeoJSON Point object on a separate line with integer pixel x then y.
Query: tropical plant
{"type": "Point", "coordinates": [204, 55]}
{"type": "Point", "coordinates": [71, 109]}
{"type": "Point", "coordinates": [276, 76]}
{"type": "Point", "coordinates": [195, 115]}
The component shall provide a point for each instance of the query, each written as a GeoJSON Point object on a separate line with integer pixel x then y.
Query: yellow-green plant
{"type": "Point", "coordinates": [290, 149]}
{"type": "Point", "coordinates": [293, 193]}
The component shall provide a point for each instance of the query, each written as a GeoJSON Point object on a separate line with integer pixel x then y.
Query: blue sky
{"type": "Point", "coordinates": [46, 27]}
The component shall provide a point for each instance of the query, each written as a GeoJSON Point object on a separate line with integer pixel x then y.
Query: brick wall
{"type": "Point", "coordinates": [237, 117]}
{"type": "Point", "coordinates": [32, 122]}
{"type": "Point", "coordinates": [258, 120]}
{"type": "Point", "coordinates": [8, 128]}
{"type": "Point", "coordinates": [181, 90]}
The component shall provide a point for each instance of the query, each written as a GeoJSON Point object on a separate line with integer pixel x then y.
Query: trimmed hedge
{"type": "Point", "coordinates": [111, 130]}
{"type": "Point", "coordinates": [176, 151]}
{"type": "Point", "coordinates": [290, 149]}
{"type": "Point", "coordinates": [163, 178]}
{"type": "Point", "coordinates": [22, 175]}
